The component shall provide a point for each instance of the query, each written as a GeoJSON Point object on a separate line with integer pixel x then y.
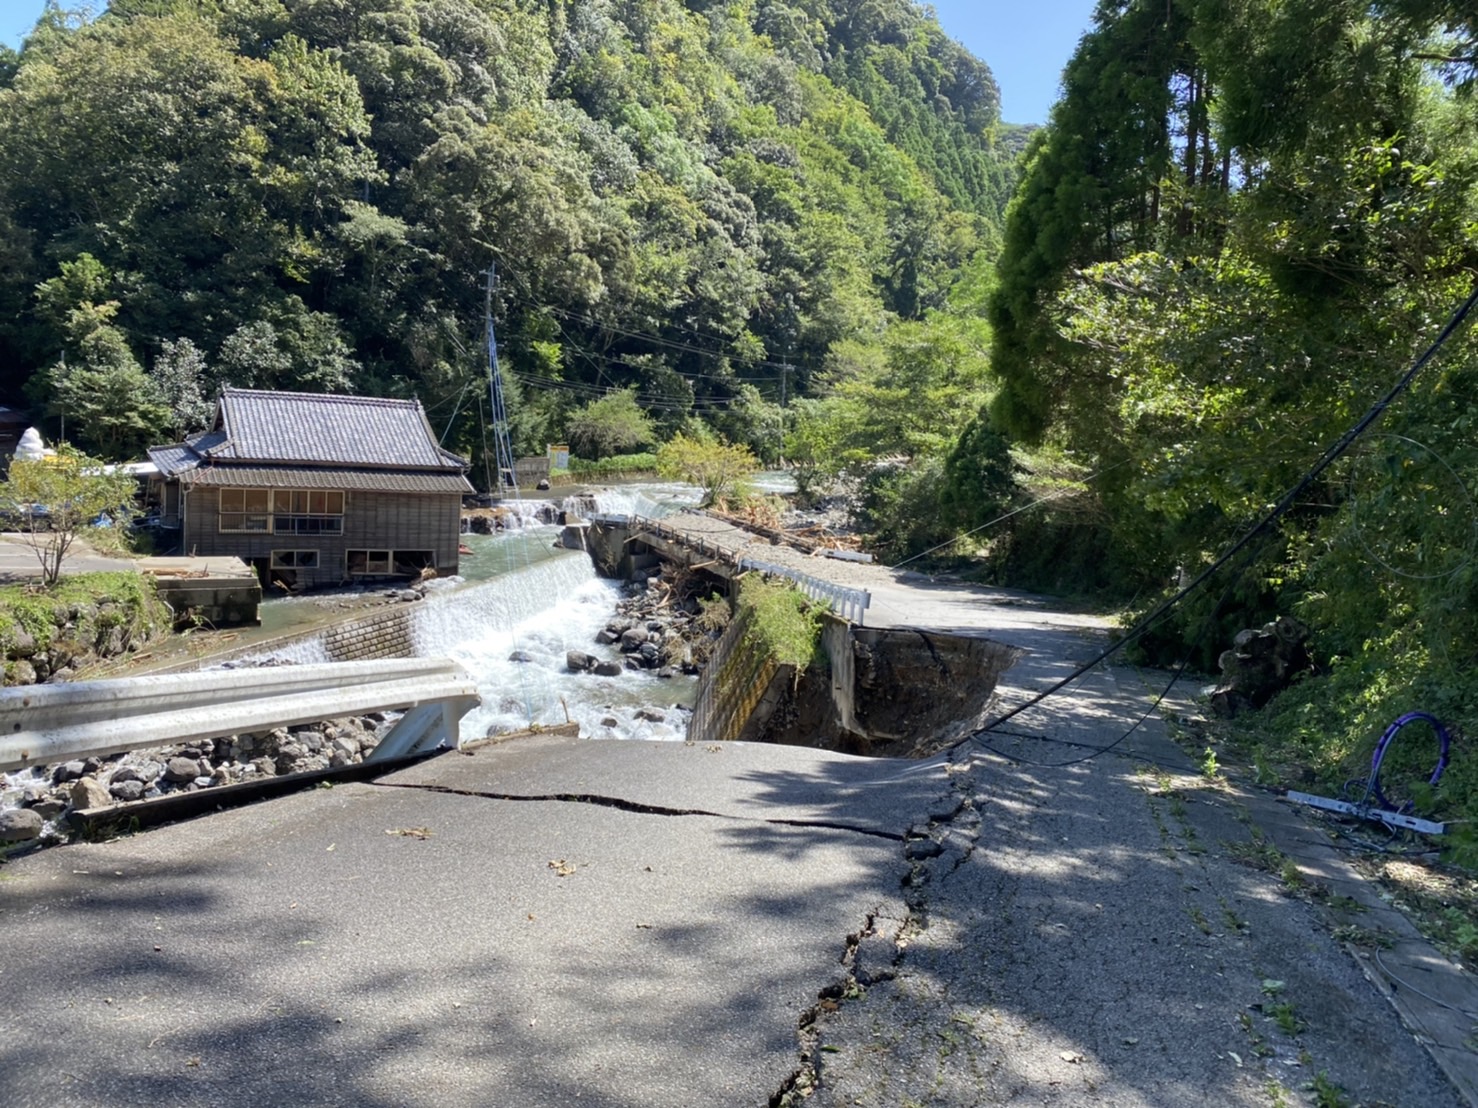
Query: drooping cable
{"type": "Point", "coordinates": [1260, 529]}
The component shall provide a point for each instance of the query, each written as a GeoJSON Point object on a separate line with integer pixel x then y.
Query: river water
{"type": "Point", "coordinates": [520, 596]}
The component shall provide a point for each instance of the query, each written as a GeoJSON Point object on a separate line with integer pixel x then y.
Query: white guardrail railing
{"type": "Point", "coordinates": [42, 724]}
{"type": "Point", "coordinates": [848, 603]}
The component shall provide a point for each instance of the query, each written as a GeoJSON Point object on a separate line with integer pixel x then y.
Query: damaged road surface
{"type": "Point", "coordinates": [646, 929]}
{"type": "Point", "coordinates": [557, 922]}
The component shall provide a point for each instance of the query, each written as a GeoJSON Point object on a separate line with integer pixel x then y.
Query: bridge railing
{"type": "Point", "coordinates": [42, 724]}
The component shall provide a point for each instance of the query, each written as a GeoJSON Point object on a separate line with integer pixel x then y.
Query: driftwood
{"type": "Point", "coordinates": [1261, 663]}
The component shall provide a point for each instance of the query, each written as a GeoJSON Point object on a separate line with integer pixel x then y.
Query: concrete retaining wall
{"type": "Point", "coordinates": [880, 691]}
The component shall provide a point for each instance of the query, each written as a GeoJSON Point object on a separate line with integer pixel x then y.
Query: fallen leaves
{"type": "Point", "coordinates": [422, 833]}
{"type": "Point", "coordinates": [562, 868]}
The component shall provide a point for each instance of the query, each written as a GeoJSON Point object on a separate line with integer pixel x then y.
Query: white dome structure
{"type": "Point", "coordinates": [31, 448]}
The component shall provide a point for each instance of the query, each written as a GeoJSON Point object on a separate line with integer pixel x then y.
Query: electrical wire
{"type": "Point", "coordinates": [1015, 512]}
{"type": "Point", "coordinates": [655, 403]}
{"type": "Point", "coordinates": [1260, 529]}
{"type": "Point", "coordinates": [655, 340]}
{"type": "Point", "coordinates": [1401, 982]}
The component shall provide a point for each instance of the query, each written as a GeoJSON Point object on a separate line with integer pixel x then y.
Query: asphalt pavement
{"type": "Point", "coordinates": [557, 922]}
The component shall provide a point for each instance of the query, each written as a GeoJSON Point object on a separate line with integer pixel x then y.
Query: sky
{"type": "Point", "coordinates": [1025, 42]}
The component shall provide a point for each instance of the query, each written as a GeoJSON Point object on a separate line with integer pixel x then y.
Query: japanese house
{"type": "Point", "coordinates": [316, 490]}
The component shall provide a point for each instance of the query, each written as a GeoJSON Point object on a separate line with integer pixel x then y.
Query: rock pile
{"type": "Point", "coordinates": [145, 774]}
{"type": "Point", "coordinates": [660, 627]}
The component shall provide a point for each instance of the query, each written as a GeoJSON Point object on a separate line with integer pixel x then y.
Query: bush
{"type": "Point", "coordinates": [715, 467]}
{"type": "Point", "coordinates": [783, 623]}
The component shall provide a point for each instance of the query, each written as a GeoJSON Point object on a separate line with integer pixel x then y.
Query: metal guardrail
{"type": "Point", "coordinates": [848, 603]}
{"type": "Point", "coordinates": [42, 724]}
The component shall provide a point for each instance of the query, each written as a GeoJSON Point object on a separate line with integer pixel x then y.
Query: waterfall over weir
{"type": "Point", "coordinates": [524, 598]}
{"type": "Point", "coordinates": [536, 614]}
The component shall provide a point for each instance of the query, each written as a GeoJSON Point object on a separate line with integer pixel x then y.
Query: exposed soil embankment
{"type": "Point", "coordinates": [889, 692]}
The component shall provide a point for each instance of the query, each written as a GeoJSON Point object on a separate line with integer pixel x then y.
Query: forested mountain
{"type": "Point", "coordinates": [693, 199]}
{"type": "Point", "coordinates": [1241, 224]}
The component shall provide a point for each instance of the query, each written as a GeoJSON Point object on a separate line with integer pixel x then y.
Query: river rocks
{"type": "Point", "coordinates": [521, 656]}
{"type": "Point", "coordinates": [94, 783]}
{"type": "Point", "coordinates": [651, 715]}
{"type": "Point", "coordinates": [88, 792]}
{"type": "Point", "coordinates": [180, 770]}
{"type": "Point", "coordinates": [609, 669]}
{"type": "Point", "coordinates": [67, 771]}
{"type": "Point", "coordinates": [633, 639]}
{"type": "Point", "coordinates": [126, 790]}
{"type": "Point", "coordinates": [20, 825]}
{"type": "Point", "coordinates": [577, 661]}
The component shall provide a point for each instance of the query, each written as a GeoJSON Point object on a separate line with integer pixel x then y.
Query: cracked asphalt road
{"type": "Point", "coordinates": [557, 922]}
{"type": "Point", "coordinates": [415, 943]}
{"type": "Point", "coordinates": [1088, 934]}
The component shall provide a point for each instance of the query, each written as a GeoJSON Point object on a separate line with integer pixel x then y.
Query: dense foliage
{"type": "Point", "coordinates": [713, 205]}
{"type": "Point", "coordinates": [1239, 227]}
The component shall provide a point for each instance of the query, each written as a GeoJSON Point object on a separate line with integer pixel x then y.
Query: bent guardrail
{"type": "Point", "coordinates": [42, 724]}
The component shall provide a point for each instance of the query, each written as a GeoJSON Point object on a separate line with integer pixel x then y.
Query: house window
{"type": "Point", "coordinates": [283, 511]}
{"type": "Point", "coordinates": [246, 510]}
{"type": "Point", "coordinates": [389, 563]}
{"type": "Point", "coordinates": [369, 563]}
{"type": "Point", "coordinates": [299, 512]}
{"type": "Point", "coordinates": [294, 559]}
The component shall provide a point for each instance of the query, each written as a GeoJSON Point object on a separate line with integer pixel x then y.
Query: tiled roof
{"type": "Point", "coordinates": [302, 477]}
{"type": "Point", "coordinates": [326, 430]}
{"type": "Point", "coordinates": [306, 429]}
{"type": "Point", "coordinates": [175, 459]}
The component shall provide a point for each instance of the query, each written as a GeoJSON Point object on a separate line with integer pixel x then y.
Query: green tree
{"type": "Point", "coordinates": [714, 466]}
{"type": "Point", "coordinates": [614, 424]}
{"type": "Point", "coordinates": [179, 378]}
{"type": "Point", "coordinates": [64, 496]}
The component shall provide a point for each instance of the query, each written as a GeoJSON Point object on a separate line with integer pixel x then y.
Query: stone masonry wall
{"type": "Point", "coordinates": [382, 634]}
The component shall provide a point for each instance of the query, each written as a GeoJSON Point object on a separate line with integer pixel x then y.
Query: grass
{"type": "Point", "coordinates": [80, 611]}
{"type": "Point", "coordinates": [618, 465]}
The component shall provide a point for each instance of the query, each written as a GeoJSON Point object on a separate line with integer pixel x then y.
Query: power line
{"type": "Point", "coordinates": [1260, 529]}
{"type": "Point", "coordinates": [654, 339]}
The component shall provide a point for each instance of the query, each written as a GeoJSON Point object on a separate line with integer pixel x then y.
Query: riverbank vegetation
{"type": "Point", "coordinates": [781, 228]}
{"type": "Point", "coordinates": [49, 633]}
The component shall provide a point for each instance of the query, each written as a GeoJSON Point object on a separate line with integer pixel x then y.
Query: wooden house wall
{"type": "Point", "coordinates": [372, 521]}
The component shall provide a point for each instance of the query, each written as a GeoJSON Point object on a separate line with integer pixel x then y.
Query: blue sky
{"type": "Point", "coordinates": [1025, 42]}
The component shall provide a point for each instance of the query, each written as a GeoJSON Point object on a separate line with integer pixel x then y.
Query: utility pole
{"type": "Point", "coordinates": [784, 403]}
{"type": "Point", "coordinates": [507, 473]}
